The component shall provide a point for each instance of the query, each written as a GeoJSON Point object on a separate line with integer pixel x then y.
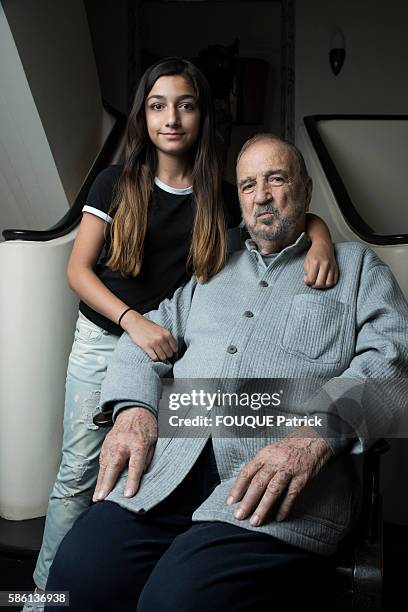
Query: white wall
{"type": "Point", "coordinates": [374, 76]}
{"type": "Point", "coordinates": [371, 158]}
{"type": "Point", "coordinates": [54, 45]}
{"type": "Point", "coordinates": [31, 192]}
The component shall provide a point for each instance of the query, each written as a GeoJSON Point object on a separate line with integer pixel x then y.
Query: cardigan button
{"type": "Point", "coordinates": [248, 314]}
{"type": "Point", "coordinates": [232, 349]}
{"type": "Point", "coordinates": [263, 283]}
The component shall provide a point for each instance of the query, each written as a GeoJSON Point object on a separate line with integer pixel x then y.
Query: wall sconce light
{"type": "Point", "coordinates": [337, 51]}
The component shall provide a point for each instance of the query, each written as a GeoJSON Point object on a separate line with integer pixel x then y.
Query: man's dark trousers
{"type": "Point", "coordinates": [114, 560]}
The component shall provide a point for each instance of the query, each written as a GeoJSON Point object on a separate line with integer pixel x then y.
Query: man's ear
{"type": "Point", "coordinates": [308, 195]}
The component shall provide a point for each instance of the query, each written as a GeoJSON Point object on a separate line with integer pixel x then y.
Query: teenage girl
{"type": "Point", "coordinates": [154, 220]}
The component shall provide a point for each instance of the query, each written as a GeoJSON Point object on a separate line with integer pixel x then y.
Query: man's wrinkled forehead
{"type": "Point", "coordinates": [265, 156]}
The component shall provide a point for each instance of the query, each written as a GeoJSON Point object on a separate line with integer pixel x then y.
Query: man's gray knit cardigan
{"type": "Point", "coordinates": [342, 336]}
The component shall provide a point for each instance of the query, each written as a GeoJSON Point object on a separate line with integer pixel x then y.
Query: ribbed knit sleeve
{"type": "Point", "coordinates": [370, 397]}
{"type": "Point", "coordinates": [133, 379]}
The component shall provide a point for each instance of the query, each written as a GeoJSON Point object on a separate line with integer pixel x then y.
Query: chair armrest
{"type": "Point", "coordinates": [368, 552]}
{"type": "Point", "coordinates": [371, 488]}
{"type": "Point", "coordinates": [359, 563]}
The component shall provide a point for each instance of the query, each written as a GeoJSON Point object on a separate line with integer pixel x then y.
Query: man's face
{"type": "Point", "coordinates": [273, 196]}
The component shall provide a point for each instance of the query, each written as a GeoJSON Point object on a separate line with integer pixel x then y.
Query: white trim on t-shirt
{"type": "Point", "coordinates": [173, 190]}
{"type": "Point", "coordinates": [97, 213]}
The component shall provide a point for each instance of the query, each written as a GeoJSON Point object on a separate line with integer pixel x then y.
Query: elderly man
{"type": "Point", "coordinates": [205, 522]}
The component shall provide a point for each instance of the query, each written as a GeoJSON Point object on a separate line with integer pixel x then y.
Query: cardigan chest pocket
{"type": "Point", "coordinates": [314, 328]}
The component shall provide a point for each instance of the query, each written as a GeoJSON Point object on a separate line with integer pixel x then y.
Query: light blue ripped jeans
{"type": "Point", "coordinates": [82, 441]}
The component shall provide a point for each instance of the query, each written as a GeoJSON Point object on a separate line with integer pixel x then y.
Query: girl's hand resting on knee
{"type": "Point", "coordinates": [156, 341]}
{"type": "Point", "coordinates": [321, 271]}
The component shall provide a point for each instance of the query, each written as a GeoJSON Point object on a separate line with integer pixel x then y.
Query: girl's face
{"type": "Point", "coordinates": [172, 115]}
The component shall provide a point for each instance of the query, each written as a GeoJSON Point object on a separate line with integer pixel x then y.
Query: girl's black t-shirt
{"type": "Point", "coordinates": [167, 243]}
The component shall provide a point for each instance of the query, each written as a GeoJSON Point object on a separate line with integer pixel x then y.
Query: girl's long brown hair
{"type": "Point", "coordinates": [208, 249]}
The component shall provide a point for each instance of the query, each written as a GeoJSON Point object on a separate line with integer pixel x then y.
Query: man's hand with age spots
{"type": "Point", "coordinates": [279, 469]}
{"type": "Point", "coordinates": [131, 441]}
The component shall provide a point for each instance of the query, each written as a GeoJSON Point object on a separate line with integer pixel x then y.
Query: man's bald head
{"type": "Point", "coordinates": [268, 136]}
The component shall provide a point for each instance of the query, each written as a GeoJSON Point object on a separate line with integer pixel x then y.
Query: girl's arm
{"type": "Point", "coordinates": [156, 341]}
{"type": "Point", "coordinates": [321, 271]}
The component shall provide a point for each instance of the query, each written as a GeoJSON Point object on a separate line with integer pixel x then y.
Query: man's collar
{"type": "Point", "coordinates": [301, 244]}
